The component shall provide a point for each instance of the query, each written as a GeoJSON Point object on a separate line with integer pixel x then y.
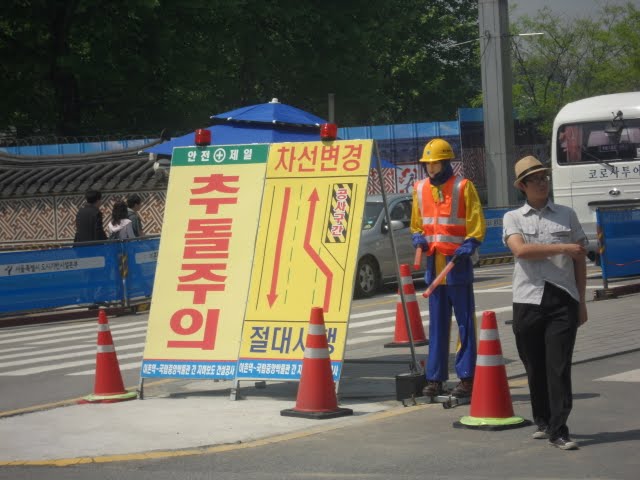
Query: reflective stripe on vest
{"type": "Point", "coordinates": [443, 223]}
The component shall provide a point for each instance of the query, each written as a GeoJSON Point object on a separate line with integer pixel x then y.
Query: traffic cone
{"type": "Point", "coordinates": [491, 407]}
{"type": "Point", "coordinates": [401, 336]}
{"type": "Point", "coordinates": [316, 391]}
{"type": "Point", "coordinates": [108, 387]}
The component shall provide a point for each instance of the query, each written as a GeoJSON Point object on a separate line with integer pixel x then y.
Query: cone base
{"type": "Point", "coordinates": [338, 412]}
{"type": "Point", "coordinates": [121, 397]}
{"type": "Point", "coordinates": [406, 344]}
{"type": "Point", "coordinates": [491, 423]}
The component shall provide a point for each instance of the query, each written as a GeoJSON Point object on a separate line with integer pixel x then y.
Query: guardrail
{"type": "Point", "coordinates": [619, 244]}
{"type": "Point", "coordinates": [492, 250]}
{"type": "Point", "coordinates": [89, 274]}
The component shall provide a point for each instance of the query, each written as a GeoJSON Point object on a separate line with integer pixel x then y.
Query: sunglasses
{"type": "Point", "coordinates": [537, 179]}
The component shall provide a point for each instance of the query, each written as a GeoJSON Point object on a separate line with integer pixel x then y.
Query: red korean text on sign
{"type": "Point", "coordinates": [337, 157]}
{"type": "Point", "coordinates": [204, 259]}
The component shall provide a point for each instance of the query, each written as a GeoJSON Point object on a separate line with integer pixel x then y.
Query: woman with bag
{"type": "Point", "coordinates": [120, 227]}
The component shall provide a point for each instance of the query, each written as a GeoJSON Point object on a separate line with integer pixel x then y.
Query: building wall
{"type": "Point", "coordinates": [32, 221]}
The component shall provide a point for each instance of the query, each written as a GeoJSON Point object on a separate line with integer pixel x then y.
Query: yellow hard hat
{"type": "Point", "coordinates": [436, 150]}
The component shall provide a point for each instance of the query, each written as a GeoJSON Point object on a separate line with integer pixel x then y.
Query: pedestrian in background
{"type": "Point", "coordinates": [89, 226]}
{"type": "Point", "coordinates": [120, 227]}
{"type": "Point", "coordinates": [549, 283]}
{"type": "Point", "coordinates": [134, 202]}
{"type": "Point", "coordinates": [447, 221]}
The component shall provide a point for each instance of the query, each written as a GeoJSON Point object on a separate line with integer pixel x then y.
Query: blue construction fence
{"type": "Point", "coordinates": [117, 271]}
{"type": "Point", "coordinates": [77, 275]}
{"type": "Point", "coordinates": [493, 245]}
{"type": "Point", "coordinates": [619, 241]}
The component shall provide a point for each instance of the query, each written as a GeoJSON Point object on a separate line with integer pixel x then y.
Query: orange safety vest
{"type": "Point", "coordinates": [444, 222]}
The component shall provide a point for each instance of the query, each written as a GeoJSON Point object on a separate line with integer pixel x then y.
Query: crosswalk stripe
{"type": "Point", "coordinates": [63, 356]}
{"type": "Point", "coordinates": [84, 337]}
{"type": "Point", "coordinates": [368, 323]}
{"type": "Point", "coordinates": [28, 331]}
{"type": "Point", "coordinates": [42, 351]}
{"type": "Point", "coordinates": [54, 334]}
{"type": "Point", "coordinates": [370, 314]}
{"type": "Point", "coordinates": [628, 376]}
{"type": "Point", "coordinates": [60, 366]}
{"type": "Point", "coordinates": [123, 366]}
{"type": "Point", "coordinates": [357, 341]}
{"type": "Point", "coordinates": [17, 349]}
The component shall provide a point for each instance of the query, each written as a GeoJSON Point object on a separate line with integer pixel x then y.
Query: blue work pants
{"type": "Point", "coordinates": [442, 301]}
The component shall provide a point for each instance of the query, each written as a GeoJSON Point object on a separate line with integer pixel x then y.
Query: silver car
{"type": "Point", "coordinates": [376, 261]}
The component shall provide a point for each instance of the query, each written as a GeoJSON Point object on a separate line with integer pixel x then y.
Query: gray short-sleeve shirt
{"type": "Point", "coordinates": [552, 224]}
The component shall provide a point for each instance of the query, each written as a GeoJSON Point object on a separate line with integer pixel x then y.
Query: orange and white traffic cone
{"type": "Point", "coordinates": [316, 392]}
{"type": "Point", "coordinates": [491, 407]}
{"type": "Point", "coordinates": [108, 387]}
{"type": "Point", "coordinates": [401, 335]}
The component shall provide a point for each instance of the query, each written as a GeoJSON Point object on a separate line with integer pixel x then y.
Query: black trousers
{"type": "Point", "coordinates": [545, 337]}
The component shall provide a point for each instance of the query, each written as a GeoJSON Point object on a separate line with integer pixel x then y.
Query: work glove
{"type": "Point", "coordinates": [467, 248]}
{"type": "Point", "coordinates": [418, 241]}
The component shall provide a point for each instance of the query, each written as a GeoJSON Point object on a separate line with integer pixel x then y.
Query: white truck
{"type": "Point", "coordinates": [595, 157]}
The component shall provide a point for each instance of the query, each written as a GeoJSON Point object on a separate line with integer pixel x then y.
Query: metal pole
{"type": "Point", "coordinates": [495, 63]}
{"type": "Point", "coordinates": [414, 365]}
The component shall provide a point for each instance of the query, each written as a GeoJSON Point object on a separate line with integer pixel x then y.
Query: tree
{"type": "Point", "coordinates": [574, 59]}
{"type": "Point", "coordinates": [95, 67]}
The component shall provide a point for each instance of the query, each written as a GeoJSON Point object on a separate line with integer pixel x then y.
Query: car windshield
{"type": "Point", "coordinates": [371, 213]}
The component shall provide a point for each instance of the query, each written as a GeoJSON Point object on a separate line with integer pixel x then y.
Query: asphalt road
{"type": "Point", "coordinates": [421, 443]}
{"type": "Point", "coordinates": [55, 362]}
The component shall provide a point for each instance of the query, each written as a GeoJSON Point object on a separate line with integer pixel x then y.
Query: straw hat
{"type": "Point", "coordinates": [526, 166]}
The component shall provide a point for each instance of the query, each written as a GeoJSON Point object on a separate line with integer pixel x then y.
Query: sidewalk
{"type": "Point", "coordinates": [186, 417]}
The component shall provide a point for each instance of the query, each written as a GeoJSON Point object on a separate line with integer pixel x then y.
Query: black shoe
{"type": "Point", "coordinates": [563, 443]}
{"type": "Point", "coordinates": [433, 389]}
{"type": "Point", "coordinates": [540, 433]}
{"type": "Point", "coordinates": [463, 389]}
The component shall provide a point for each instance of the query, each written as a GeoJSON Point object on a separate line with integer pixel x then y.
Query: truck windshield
{"type": "Point", "coordinates": [598, 142]}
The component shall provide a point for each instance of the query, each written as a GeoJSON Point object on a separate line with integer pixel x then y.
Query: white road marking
{"type": "Point", "coordinates": [629, 376]}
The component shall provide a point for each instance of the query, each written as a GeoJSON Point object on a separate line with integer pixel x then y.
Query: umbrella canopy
{"type": "Point", "coordinates": [272, 112]}
{"type": "Point", "coordinates": [271, 122]}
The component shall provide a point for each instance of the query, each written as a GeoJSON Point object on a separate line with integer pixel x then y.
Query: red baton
{"type": "Point", "coordinates": [417, 260]}
{"type": "Point", "coordinates": [439, 278]}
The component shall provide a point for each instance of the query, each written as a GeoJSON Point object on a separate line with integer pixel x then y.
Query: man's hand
{"type": "Point", "coordinates": [418, 241]}
{"type": "Point", "coordinates": [583, 316]}
{"type": "Point", "coordinates": [574, 250]}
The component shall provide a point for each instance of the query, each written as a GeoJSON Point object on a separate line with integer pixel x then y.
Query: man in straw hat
{"type": "Point", "coordinates": [549, 282]}
{"type": "Point", "coordinates": [447, 222]}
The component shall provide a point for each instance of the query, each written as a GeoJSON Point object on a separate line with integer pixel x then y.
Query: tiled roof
{"type": "Point", "coordinates": [118, 170]}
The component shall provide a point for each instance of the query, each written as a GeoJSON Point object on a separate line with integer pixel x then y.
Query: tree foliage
{"type": "Point", "coordinates": [88, 67]}
{"type": "Point", "coordinates": [574, 59]}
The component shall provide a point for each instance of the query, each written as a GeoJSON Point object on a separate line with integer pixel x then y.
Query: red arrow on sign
{"type": "Point", "coordinates": [313, 199]}
{"type": "Point", "coordinates": [272, 295]}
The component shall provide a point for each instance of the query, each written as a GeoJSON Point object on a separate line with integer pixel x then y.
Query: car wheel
{"type": "Point", "coordinates": [367, 277]}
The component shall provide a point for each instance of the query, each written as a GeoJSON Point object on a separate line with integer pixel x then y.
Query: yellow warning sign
{"type": "Point", "coordinates": [306, 253]}
{"type": "Point", "coordinates": [204, 261]}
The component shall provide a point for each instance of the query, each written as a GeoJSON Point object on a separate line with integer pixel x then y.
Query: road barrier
{"type": "Point", "coordinates": [619, 247]}
{"type": "Point", "coordinates": [79, 275]}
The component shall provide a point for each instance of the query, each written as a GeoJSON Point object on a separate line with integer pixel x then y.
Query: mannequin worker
{"type": "Point", "coordinates": [447, 223]}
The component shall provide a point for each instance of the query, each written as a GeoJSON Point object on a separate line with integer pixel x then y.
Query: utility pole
{"type": "Point", "coordinates": [495, 61]}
